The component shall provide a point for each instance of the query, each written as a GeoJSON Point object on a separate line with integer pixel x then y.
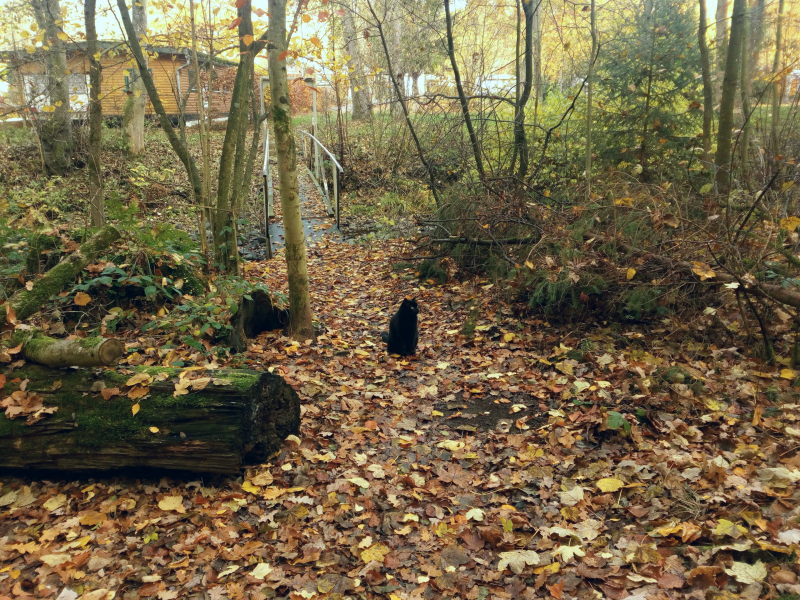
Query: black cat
{"type": "Point", "coordinates": [403, 330]}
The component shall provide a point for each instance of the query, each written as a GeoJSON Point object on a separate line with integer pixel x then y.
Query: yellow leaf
{"type": "Point", "coordinates": [139, 378]}
{"type": "Point", "coordinates": [92, 518]}
{"type": "Point", "coordinates": [790, 223]}
{"type": "Point", "coordinates": [154, 429]}
{"type": "Point", "coordinates": [261, 570]}
{"type": "Point", "coordinates": [788, 374]}
{"type": "Point", "coordinates": [630, 273]}
{"type": "Point", "coordinates": [728, 528]}
{"type": "Point", "coordinates": [610, 484]}
{"type": "Point", "coordinates": [376, 552]}
{"type": "Point", "coordinates": [359, 481]}
{"type": "Point", "coordinates": [135, 409]}
{"type": "Point", "coordinates": [82, 299]}
{"type": "Point", "coordinates": [702, 270]}
{"type": "Point", "coordinates": [306, 18]}
{"type": "Point", "coordinates": [276, 492]}
{"type": "Point", "coordinates": [173, 503]}
{"type": "Point", "coordinates": [508, 337]}
{"type": "Point", "coordinates": [247, 39]}
{"type": "Point", "coordinates": [550, 569]}
{"type": "Point", "coordinates": [62, 36]}
{"type": "Point", "coordinates": [451, 445]}
{"type": "Point", "coordinates": [249, 487]}
{"type": "Point", "coordinates": [55, 502]}
{"type": "Point", "coordinates": [530, 265]}
{"type": "Point", "coordinates": [316, 41]}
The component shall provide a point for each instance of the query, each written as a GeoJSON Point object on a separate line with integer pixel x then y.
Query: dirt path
{"type": "Point", "coordinates": [486, 467]}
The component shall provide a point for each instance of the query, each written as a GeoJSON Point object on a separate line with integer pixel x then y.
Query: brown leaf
{"type": "Point", "coordinates": [704, 577]}
{"type": "Point", "coordinates": [491, 535]}
{"type": "Point", "coordinates": [108, 393]}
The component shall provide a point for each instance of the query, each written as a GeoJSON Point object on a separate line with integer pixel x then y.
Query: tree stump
{"type": "Point", "coordinates": [255, 313]}
{"type": "Point", "coordinates": [218, 421]}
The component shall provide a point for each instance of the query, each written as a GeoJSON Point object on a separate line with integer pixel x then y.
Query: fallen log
{"type": "Point", "coordinates": [132, 418]}
{"type": "Point", "coordinates": [24, 302]}
{"type": "Point", "coordinates": [71, 352]}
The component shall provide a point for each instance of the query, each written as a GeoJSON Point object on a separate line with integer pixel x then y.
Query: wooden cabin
{"type": "Point", "coordinates": [171, 69]}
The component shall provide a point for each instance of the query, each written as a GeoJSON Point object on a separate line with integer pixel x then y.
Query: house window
{"type": "Point", "coordinates": [37, 92]}
{"type": "Point", "coordinates": [131, 76]}
{"type": "Point", "coordinates": [78, 91]}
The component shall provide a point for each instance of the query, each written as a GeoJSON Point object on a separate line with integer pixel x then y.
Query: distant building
{"type": "Point", "coordinates": [170, 67]}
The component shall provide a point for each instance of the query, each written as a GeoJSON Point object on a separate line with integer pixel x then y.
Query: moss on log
{"type": "Point", "coordinates": [239, 417]}
{"type": "Point", "coordinates": [73, 352]}
{"type": "Point", "coordinates": [26, 302]}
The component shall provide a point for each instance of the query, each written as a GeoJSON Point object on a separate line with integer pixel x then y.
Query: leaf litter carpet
{"type": "Point", "coordinates": [506, 460]}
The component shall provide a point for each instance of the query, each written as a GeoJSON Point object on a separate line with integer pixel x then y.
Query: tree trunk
{"type": "Point", "coordinates": [232, 159]}
{"type": "Point", "coordinates": [192, 173]}
{"type": "Point", "coordinates": [778, 82]}
{"type": "Point", "coordinates": [214, 423]}
{"type": "Point", "coordinates": [133, 112]}
{"type": "Point", "coordinates": [362, 106]}
{"type": "Point", "coordinates": [462, 97]}
{"type": "Point", "coordinates": [97, 212]}
{"type": "Point", "coordinates": [722, 159]}
{"type": "Point", "coordinates": [520, 140]}
{"type": "Point", "coordinates": [589, 88]}
{"type": "Point", "coordinates": [708, 97]}
{"type": "Point", "coordinates": [721, 39]}
{"type": "Point", "coordinates": [746, 91]}
{"type": "Point", "coordinates": [644, 148]}
{"type": "Point", "coordinates": [300, 325]}
{"type": "Point", "coordinates": [55, 132]}
{"type": "Point", "coordinates": [536, 51]}
{"type": "Point", "coordinates": [26, 302]}
{"type": "Point", "coordinates": [203, 212]}
{"type": "Point", "coordinates": [72, 352]}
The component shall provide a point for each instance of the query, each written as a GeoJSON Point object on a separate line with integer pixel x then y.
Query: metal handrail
{"type": "Point", "coordinates": [319, 171]}
{"type": "Point", "coordinates": [324, 149]}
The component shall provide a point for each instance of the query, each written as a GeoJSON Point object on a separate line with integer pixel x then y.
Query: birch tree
{"type": "Point", "coordinates": [362, 107]}
{"type": "Point", "coordinates": [55, 131]}
{"type": "Point", "coordinates": [133, 112]}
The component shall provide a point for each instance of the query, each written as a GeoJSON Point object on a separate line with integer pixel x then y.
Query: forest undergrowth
{"type": "Point", "coordinates": [508, 459]}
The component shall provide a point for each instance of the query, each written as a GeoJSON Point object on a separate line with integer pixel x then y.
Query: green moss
{"type": "Point", "coordinates": [100, 422]}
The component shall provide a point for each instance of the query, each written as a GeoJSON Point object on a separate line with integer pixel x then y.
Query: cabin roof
{"type": "Point", "coordinates": [20, 57]}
